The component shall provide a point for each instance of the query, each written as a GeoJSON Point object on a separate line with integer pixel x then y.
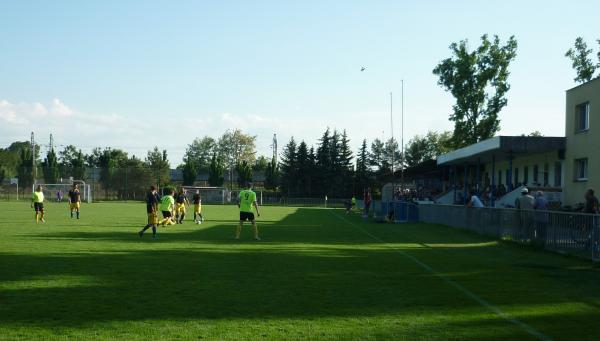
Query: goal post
{"type": "Point", "coordinates": [208, 195]}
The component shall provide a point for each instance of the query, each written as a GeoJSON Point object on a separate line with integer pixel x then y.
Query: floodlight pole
{"type": "Point", "coordinates": [402, 142]}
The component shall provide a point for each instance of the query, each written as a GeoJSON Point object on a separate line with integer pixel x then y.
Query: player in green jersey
{"type": "Point", "coordinates": [246, 200]}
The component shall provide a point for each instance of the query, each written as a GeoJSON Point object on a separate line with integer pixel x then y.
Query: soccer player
{"type": "Point", "coordinates": [167, 204]}
{"type": "Point", "coordinates": [152, 210]}
{"type": "Point", "coordinates": [197, 208]}
{"type": "Point", "coordinates": [74, 200]}
{"type": "Point", "coordinates": [246, 200]}
{"type": "Point", "coordinates": [181, 202]}
{"type": "Point", "coordinates": [37, 203]}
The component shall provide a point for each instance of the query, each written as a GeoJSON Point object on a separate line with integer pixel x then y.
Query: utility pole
{"type": "Point", "coordinates": [33, 168]}
{"type": "Point", "coordinates": [402, 141]}
{"type": "Point", "coordinates": [51, 143]}
{"type": "Point", "coordinates": [392, 130]}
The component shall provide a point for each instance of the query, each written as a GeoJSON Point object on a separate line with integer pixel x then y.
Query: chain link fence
{"type": "Point", "coordinates": [564, 232]}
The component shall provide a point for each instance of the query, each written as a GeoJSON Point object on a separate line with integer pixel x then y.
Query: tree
{"type": "Point", "coordinates": [131, 178]}
{"type": "Point", "coordinates": [236, 147]}
{"type": "Point", "coordinates": [427, 147]}
{"type": "Point", "coordinates": [289, 166]}
{"type": "Point", "coordinates": [200, 152]}
{"type": "Point", "coordinates": [272, 175]}
{"type": "Point", "coordinates": [581, 61]}
{"type": "Point", "coordinates": [478, 82]}
{"type": "Point", "coordinates": [24, 170]}
{"type": "Point", "coordinates": [303, 171]}
{"type": "Point", "coordinates": [260, 164]}
{"type": "Point", "coordinates": [158, 163]}
{"type": "Point", "coordinates": [244, 173]}
{"type": "Point", "coordinates": [362, 174]}
{"type": "Point", "coordinates": [189, 172]}
{"type": "Point", "coordinates": [72, 162]}
{"type": "Point", "coordinates": [344, 167]}
{"type": "Point", "coordinates": [50, 168]}
{"type": "Point", "coordinates": [216, 171]}
{"type": "Point", "coordinates": [109, 161]}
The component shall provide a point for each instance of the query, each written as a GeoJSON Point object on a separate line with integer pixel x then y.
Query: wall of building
{"type": "Point", "coordinates": [582, 144]}
{"type": "Point", "coordinates": [520, 162]}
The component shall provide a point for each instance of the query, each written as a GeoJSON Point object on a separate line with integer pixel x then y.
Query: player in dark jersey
{"type": "Point", "coordinates": [197, 208]}
{"type": "Point", "coordinates": [152, 201]}
{"type": "Point", "coordinates": [74, 200]}
{"type": "Point", "coordinates": [181, 202]}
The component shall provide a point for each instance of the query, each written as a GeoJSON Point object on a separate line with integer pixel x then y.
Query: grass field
{"type": "Point", "coordinates": [317, 274]}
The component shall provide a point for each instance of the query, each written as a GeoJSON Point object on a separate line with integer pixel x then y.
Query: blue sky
{"type": "Point", "coordinates": [134, 74]}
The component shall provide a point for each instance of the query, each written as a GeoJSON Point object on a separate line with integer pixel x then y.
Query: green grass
{"type": "Point", "coordinates": [317, 274]}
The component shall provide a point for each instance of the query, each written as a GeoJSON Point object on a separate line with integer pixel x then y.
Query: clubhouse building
{"type": "Point", "coordinates": [562, 167]}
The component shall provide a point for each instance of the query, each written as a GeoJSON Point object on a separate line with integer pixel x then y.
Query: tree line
{"type": "Point", "coordinates": [477, 79]}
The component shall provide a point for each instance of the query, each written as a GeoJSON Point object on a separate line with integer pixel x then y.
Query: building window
{"type": "Point", "coordinates": [582, 117]}
{"type": "Point", "coordinates": [581, 169]}
{"type": "Point", "coordinates": [499, 177]}
{"type": "Point", "coordinates": [546, 175]}
{"type": "Point", "coordinates": [535, 174]}
{"type": "Point", "coordinates": [516, 177]}
{"type": "Point", "coordinates": [557, 174]}
{"type": "Point", "coordinates": [526, 175]}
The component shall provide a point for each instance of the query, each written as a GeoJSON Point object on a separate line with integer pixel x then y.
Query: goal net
{"type": "Point", "coordinates": [60, 192]}
{"type": "Point", "coordinates": [208, 195]}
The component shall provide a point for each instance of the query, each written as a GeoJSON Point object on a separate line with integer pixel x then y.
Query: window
{"type": "Point", "coordinates": [525, 175]}
{"type": "Point", "coordinates": [516, 176]}
{"type": "Point", "coordinates": [507, 182]}
{"type": "Point", "coordinates": [535, 174]}
{"type": "Point", "coordinates": [546, 176]}
{"type": "Point", "coordinates": [499, 177]}
{"type": "Point", "coordinates": [582, 117]}
{"type": "Point", "coordinates": [557, 174]}
{"type": "Point", "coordinates": [581, 168]}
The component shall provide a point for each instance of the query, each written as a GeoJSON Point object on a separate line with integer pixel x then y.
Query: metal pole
{"type": "Point", "coordinates": [392, 130]}
{"type": "Point", "coordinates": [402, 141]}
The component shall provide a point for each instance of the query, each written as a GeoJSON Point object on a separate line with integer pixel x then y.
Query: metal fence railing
{"type": "Point", "coordinates": [565, 232]}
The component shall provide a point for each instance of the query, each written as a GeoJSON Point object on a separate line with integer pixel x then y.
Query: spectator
{"type": "Point", "coordinates": [541, 217]}
{"type": "Point", "coordinates": [525, 204]}
{"type": "Point", "coordinates": [525, 201]}
{"type": "Point", "coordinates": [591, 202]}
{"type": "Point", "coordinates": [367, 198]}
{"type": "Point", "coordinates": [474, 200]}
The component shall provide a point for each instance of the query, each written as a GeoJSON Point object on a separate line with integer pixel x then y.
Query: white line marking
{"type": "Point", "coordinates": [529, 329]}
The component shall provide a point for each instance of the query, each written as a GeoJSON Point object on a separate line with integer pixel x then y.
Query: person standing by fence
{"type": "Point", "coordinates": [524, 203]}
{"type": "Point", "coordinates": [541, 217]}
{"type": "Point", "coordinates": [591, 202]}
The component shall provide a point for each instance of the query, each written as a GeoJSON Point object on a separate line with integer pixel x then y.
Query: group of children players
{"type": "Point", "coordinates": [173, 207]}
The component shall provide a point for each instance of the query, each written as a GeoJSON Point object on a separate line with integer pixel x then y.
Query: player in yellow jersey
{"type": "Point", "coordinates": [181, 202]}
{"type": "Point", "coordinates": [197, 208]}
{"type": "Point", "coordinates": [37, 203]}
{"type": "Point", "coordinates": [246, 200]}
{"type": "Point", "coordinates": [74, 200]}
{"type": "Point", "coordinates": [167, 204]}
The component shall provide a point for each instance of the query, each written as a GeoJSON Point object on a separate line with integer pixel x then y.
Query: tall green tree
{"type": "Point", "coordinates": [189, 172]}
{"type": "Point", "coordinates": [582, 63]}
{"type": "Point", "coordinates": [427, 147]}
{"type": "Point", "coordinates": [244, 173]}
{"type": "Point", "coordinates": [216, 171]}
{"type": "Point", "coordinates": [363, 171]}
{"type": "Point", "coordinates": [200, 152]}
{"type": "Point", "coordinates": [131, 178]}
{"type": "Point", "coordinates": [109, 161]}
{"type": "Point", "coordinates": [158, 163]}
{"type": "Point", "coordinates": [289, 168]}
{"type": "Point", "coordinates": [24, 169]}
{"type": "Point", "coordinates": [72, 162]}
{"type": "Point", "coordinates": [50, 167]}
{"type": "Point", "coordinates": [236, 147]}
{"type": "Point", "coordinates": [478, 80]}
{"type": "Point", "coordinates": [272, 175]}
